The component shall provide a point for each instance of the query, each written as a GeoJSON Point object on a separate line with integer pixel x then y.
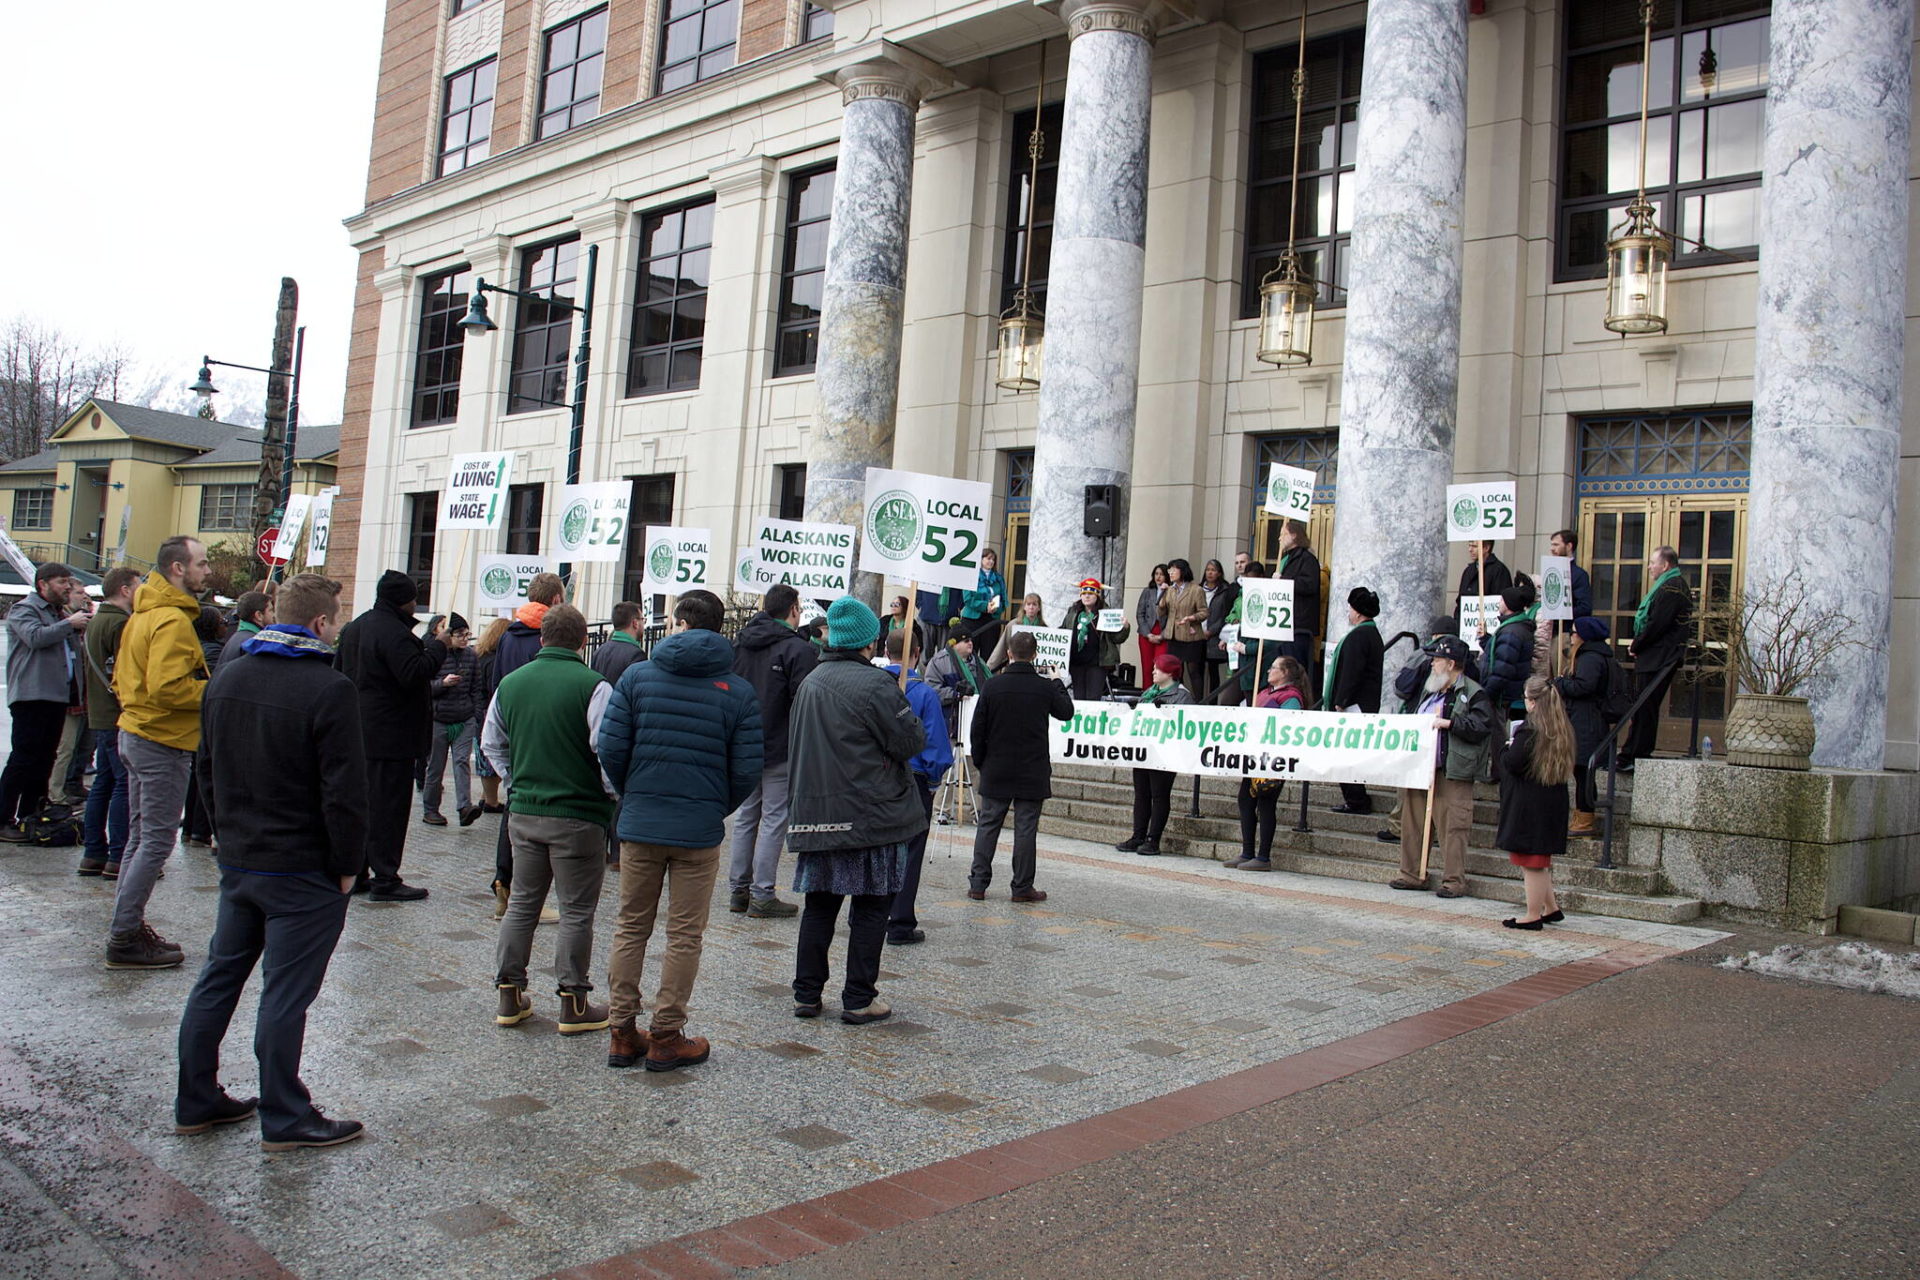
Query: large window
{"type": "Point", "coordinates": [436, 379]}
{"type": "Point", "coordinates": [1037, 203]}
{"type": "Point", "coordinates": [33, 508]}
{"type": "Point", "coordinates": [466, 117]}
{"type": "Point", "coordinates": [790, 491]}
{"type": "Point", "coordinates": [652, 505]}
{"type": "Point", "coordinates": [423, 513]}
{"type": "Point", "coordinates": [226, 506]}
{"type": "Point", "coordinates": [696, 41]}
{"type": "Point", "coordinates": [1706, 99]}
{"type": "Point", "coordinates": [816, 24]}
{"type": "Point", "coordinates": [543, 331]}
{"type": "Point", "coordinates": [524, 502]}
{"type": "Point", "coordinates": [1329, 132]}
{"type": "Point", "coordinates": [670, 306]}
{"type": "Point", "coordinates": [803, 270]}
{"type": "Point", "coordinates": [576, 56]}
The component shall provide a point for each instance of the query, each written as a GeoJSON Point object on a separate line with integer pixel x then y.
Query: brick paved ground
{"type": "Point", "coordinates": [510, 1152]}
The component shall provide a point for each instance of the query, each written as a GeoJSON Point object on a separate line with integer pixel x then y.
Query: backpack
{"type": "Point", "coordinates": [1618, 699]}
{"type": "Point", "coordinates": [55, 826]}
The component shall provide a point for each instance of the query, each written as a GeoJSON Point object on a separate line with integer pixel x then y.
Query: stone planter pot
{"type": "Point", "coordinates": [1765, 731]}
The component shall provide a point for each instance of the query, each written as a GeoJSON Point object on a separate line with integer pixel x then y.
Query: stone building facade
{"type": "Point", "coordinates": [1462, 161]}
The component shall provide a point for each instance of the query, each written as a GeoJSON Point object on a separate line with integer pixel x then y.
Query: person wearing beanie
{"type": "Point", "coordinates": [393, 670]}
{"type": "Point", "coordinates": [1464, 720]}
{"type": "Point", "coordinates": [1153, 788]}
{"type": "Point", "coordinates": [855, 810]}
{"type": "Point", "coordinates": [1585, 691]}
{"type": "Point", "coordinates": [956, 674]}
{"type": "Point", "coordinates": [1509, 654]}
{"type": "Point", "coordinates": [1012, 765]}
{"type": "Point", "coordinates": [1353, 679]}
{"type": "Point", "coordinates": [455, 726]}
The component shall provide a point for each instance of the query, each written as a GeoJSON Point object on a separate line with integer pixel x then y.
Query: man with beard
{"type": "Point", "coordinates": [1463, 723]}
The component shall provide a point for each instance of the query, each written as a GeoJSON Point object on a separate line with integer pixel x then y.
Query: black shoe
{"type": "Point", "coordinates": [14, 833]}
{"type": "Point", "coordinates": [906, 937]}
{"type": "Point", "coordinates": [398, 891]}
{"type": "Point", "coordinates": [1131, 845]}
{"type": "Point", "coordinates": [1512, 923]}
{"type": "Point", "coordinates": [737, 901]}
{"type": "Point", "coordinates": [1385, 836]}
{"type": "Point", "coordinates": [470, 815]}
{"type": "Point", "coordinates": [1553, 917]}
{"type": "Point", "coordinates": [1625, 766]}
{"type": "Point", "coordinates": [1149, 849]}
{"type": "Point", "coordinates": [808, 1010]}
{"type": "Point", "coordinates": [363, 885]}
{"type": "Point", "coordinates": [1407, 885]}
{"type": "Point", "coordinates": [1347, 808]}
{"type": "Point", "coordinates": [1447, 893]}
{"type": "Point", "coordinates": [434, 820]}
{"type": "Point", "coordinates": [226, 1111]}
{"type": "Point", "coordinates": [318, 1131]}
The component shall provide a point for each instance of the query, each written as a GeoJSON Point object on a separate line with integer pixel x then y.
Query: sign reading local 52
{"type": "Point", "coordinates": [677, 559]}
{"type": "Point", "coordinates": [1477, 512]}
{"type": "Point", "coordinates": [504, 580]}
{"type": "Point", "coordinates": [1556, 588]}
{"type": "Point", "coordinates": [593, 520]}
{"type": "Point", "coordinates": [1289, 491]}
{"type": "Point", "coordinates": [925, 529]}
{"type": "Point", "coordinates": [1266, 609]}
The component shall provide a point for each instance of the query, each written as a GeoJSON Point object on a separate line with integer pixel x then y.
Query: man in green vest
{"type": "Point", "coordinates": [540, 737]}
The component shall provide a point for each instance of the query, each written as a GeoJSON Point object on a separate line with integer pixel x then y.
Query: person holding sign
{"type": "Point", "coordinates": [1153, 788]}
{"type": "Point", "coordinates": [1463, 714]}
{"type": "Point", "coordinates": [1246, 653]}
{"type": "Point", "coordinates": [1260, 797]}
{"type": "Point", "coordinates": [1301, 567]}
{"type": "Point", "coordinates": [1353, 679]}
{"type": "Point", "coordinates": [1566, 543]}
{"type": "Point", "coordinates": [1480, 559]}
{"type": "Point", "coordinates": [1032, 614]}
{"type": "Point", "coordinates": [1094, 653]}
{"type": "Point", "coordinates": [980, 608]}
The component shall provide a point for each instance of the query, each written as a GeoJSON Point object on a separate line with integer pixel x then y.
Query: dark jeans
{"type": "Point", "coordinates": [292, 922]}
{"type": "Point", "coordinates": [901, 917]}
{"type": "Point", "coordinates": [194, 823]}
{"type": "Point", "coordinates": [1257, 817]}
{"type": "Point", "coordinates": [986, 839]}
{"type": "Point", "coordinates": [105, 822]}
{"type": "Point", "coordinates": [389, 806]}
{"type": "Point", "coordinates": [866, 937]}
{"type": "Point", "coordinates": [503, 855]}
{"type": "Point", "coordinates": [1152, 801]}
{"type": "Point", "coordinates": [1645, 730]}
{"type": "Point", "coordinates": [37, 726]}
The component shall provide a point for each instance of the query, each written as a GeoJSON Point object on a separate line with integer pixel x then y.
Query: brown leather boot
{"type": "Point", "coordinates": [578, 1014]}
{"type": "Point", "coordinates": [671, 1050]}
{"type": "Point", "coordinates": [515, 1007]}
{"type": "Point", "coordinates": [1582, 824]}
{"type": "Point", "coordinates": [630, 1044]}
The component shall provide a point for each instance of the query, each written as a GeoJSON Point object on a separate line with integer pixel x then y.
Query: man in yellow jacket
{"type": "Point", "coordinates": [159, 676]}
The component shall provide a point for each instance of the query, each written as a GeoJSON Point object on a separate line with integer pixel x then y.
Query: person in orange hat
{"type": "Point", "coordinates": [1092, 654]}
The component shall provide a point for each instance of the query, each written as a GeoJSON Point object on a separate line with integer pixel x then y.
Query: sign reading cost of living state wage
{"type": "Point", "coordinates": [593, 520]}
{"type": "Point", "coordinates": [1266, 609]}
{"type": "Point", "coordinates": [1556, 588]}
{"type": "Point", "coordinates": [476, 492]}
{"type": "Point", "coordinates": [1289, 491]}
{"type": "Point", "coordinates": [814, 559]}
{"type": "Point", "coordinates": [504, 580]}
{"type": "Point", "coordinates": [1480, 511]}
{"type": "Point", "coordinates": [924, 529]}
{"type": "Point", "coordinates": [677, 560]}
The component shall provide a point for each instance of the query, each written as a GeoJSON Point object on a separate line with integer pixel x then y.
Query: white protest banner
{"type": "Point", "coordinates": [1477, 612]}
{"type": "Point", "coordinates": [1290, 491]}
{"type": "Point", "coordinates": [1480, 511]}
{"type": "Point", "coordinates": [476, 492]}
{"type": "Point", "coordinates": [593, 520]}
{"type": "Point", "coordinates": [1055, 643]}
{"type": "Point", "coordinates": [291, 524]}
{"type": "Point", "coordinates": [15, 556]}
{"type": "Point", "coordinates": [1229, 637]}
{"type": "Point", "coordinates": [1556, 588]}
{"type": "Point", "coordinates": [120, 547]}
{"type": "Point", "coordinates": [814, 559]}
{"type": "Point", "coordinates": [924, 529]}
{"type": "Point", "coordinates": [1266, 609]}
{"type": "Point", "coordinates": [504, 580]}
{"type": "Point", "coordinates": [1241, 742]}
{"type": "Point", "coordinates": [1114, 620]}
{"type": "Point", "coordinates": [963, 727]}
{"type": "Point", "coordinates": [320, 530]}
{"type": "Point", "coordinates": [676, 560]}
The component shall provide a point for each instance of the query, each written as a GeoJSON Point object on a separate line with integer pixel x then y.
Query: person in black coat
{"type": "Point", "coordinates": [1301, 567]}
{"type": "Point", "coordinates": [1499, 577]}
{"type": "Point", "coordinates": [456, 723]}
{"type": "Point", "coordinates": [1353, 683]}
{"type": "Point", "coordinates": [773, 657]}
{"type": "Point", "coordinates": [1012, 764]}
{"type": "Point", "coordinates": [622, 647]}
{"type": "Point", "coordinates": [1534, 770]}
{"type": "Point", "coordinates": [1663, 627]}
{"type": "Point", "coordinates": [1584, 692]}
{"type": "Point", "coordinates": [393, 670]}
{"type": "Point", "coordinates": [1219, 608]}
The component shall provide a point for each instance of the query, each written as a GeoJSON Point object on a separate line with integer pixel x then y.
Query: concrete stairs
{"type": "Point", "coordinates": [1095, 803]}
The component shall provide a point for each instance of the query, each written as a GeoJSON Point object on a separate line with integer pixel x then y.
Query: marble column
{"type": "Point", "coordinates": [1401, 375]}
{"type": "Point", "coordinates": [857, 371]}
{"type": "Point", "coordinates": [1090, 384]}
{"type": "Point", "coordinates": [1828, 348]}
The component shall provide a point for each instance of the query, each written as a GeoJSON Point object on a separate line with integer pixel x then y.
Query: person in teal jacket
{"type": "Point", "coordinates": [983, 607]}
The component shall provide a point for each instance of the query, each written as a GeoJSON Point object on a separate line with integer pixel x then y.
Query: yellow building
{"type": "Point", "coordinates": [160, 473]}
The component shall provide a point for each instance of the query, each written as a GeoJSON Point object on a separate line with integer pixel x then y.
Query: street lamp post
{"type": "Point", "coordinates": [204, 388]}
{"type": "Point", "coordinates": [478, 321]}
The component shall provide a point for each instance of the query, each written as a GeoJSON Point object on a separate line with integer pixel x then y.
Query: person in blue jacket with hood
{"type": "Point", "coordinates": [680, 744]}
{"type": "Point", "coordinates": [903, 923]}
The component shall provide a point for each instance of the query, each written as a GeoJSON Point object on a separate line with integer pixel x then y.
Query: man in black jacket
{"type": "Point", "coordinates": [1353, 682]}
{"type": "Point", "coordinates": [393, 670]}
{"type": "Point", "coordinates": [1499, 577]}
{"type": "Point", "coordinates": [1301, 567]}
{"type": "Point", "coordinates": [622, 648]}
{"type": "Point", "coordinates": [1012, 765]}
{"type": "Point", "coordinates": [769, 655]}
{"type": "Point", "coordinates": [282, 769]}
{"type": "Point", "coordinates": [1662, 629]}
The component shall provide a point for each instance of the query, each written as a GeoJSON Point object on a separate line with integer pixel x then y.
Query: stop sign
{"type": "Point", "coordinates": [263, 547]}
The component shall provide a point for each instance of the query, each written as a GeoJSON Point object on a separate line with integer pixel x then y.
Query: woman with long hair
{"type": "Point", "coordinates": [1221, 597]}
{"type": "Point", "coordinates": [1032, 614]}
{"type": "Point", "coordinates": [483, 698]}
{"type": "Point", "coordinates": [1584, 690]}
{"type": "Point", "coordinates": [1285, 691]}
{"type": "Point", "coordinates": [1534, 771]}
{"type": "Point", "coordinates": [1184, 610]}
{"type": "Point", "coordinates": [1146, 616]}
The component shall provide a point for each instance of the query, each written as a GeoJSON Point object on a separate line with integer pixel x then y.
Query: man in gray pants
{"type": "Point", "coordinates": [774, 658]}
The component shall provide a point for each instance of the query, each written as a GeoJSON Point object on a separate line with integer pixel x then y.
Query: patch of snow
{"type": "Point", "coordinates": [1847, 964]}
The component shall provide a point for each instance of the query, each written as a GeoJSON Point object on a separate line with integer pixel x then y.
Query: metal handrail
{"type": "Point", "coordinates": [1612, 740]}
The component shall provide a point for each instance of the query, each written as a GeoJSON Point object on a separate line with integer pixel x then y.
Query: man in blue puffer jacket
{"type": "Point", "coordinates": [681, 745]}
{"type": "Point", "coordinates": [1510, 659]}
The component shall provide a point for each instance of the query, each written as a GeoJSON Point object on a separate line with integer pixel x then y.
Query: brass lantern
{"type": "Point", "coordinates": [1638, 255]}
{"type": "Point", "coordinates": [1286, 314]}
{"type": "Point", "coordinates": [1022, 347]}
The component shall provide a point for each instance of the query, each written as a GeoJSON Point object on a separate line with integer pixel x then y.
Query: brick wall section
{"type": "Point", "coordinates": [629, 63]}
{"type": "Point", "coordinates": [519, 33]}
{"type": "Point", "coordinates": [343, 551]}
{"type": "Point", "coordinates": [763, 28]}
{"type": "Point", "coordinates": [405, 102]}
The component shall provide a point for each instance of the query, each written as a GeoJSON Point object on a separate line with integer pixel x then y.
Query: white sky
{"type": "Point", "coordinates": [168, 163]}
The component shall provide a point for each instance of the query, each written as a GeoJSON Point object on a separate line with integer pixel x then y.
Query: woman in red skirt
{"type": "Point", "coordinates": [1534, 771]}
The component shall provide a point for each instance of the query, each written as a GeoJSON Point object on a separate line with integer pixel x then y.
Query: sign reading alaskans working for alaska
{"type": "Point", "coordinates": [476, 492]}
{"type": "Point", "coordinates": [814, 559]}
{"type": "Point", "coordinates": [593, 520]}
{"type": "Point", "coordinates": [1477, 512]}
{"type": "Point", "coordinates": [677, 560]}
{"type": "Point", "coordinates": [924, 529]}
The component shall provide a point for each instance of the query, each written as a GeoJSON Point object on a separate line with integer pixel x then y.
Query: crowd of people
{"type": "Point", "coordinates": [292, 744]}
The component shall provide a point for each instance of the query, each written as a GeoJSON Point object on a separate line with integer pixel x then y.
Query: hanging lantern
{"type": "Point", "coordinates": [1022, 347]}
{"type": "Point", "coordinates": [1286, 314]}
{"type": "Point", "coordinates": [1638, 255]}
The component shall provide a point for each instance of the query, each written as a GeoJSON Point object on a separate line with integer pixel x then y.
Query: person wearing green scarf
{"type": "Point", "coordinates": [1353, 681]}
{"type": "Point", "coordinates": [1662, 628]}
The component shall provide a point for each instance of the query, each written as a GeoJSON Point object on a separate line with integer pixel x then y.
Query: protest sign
{"type": "Point", "coordinates": [676, 560]}
{"type": "Point", "coordinates": [1266, 609]}
{"type": "Point", "coordinates": [593, 520]}
{"type": "Point", "coordinates": [1229, 637]}
{"type": "Point", "coordinates": [120, 547]}
{"type": "Point", "coordinates": [476, 492]}
{"type": "Point", "coordinates": [814, 559]}
{"type": "Point", "coordinates": [1114, 620]}
{"type": "Point", "coordinates": [504, 580]}
{"type": "Point", "coordinates": [320, 530]}
{"type": "Point", "coordinates": [290, 526]}
{"type": "Point", "coordinates": [1477, 613]}
{"type": "Point", "coordinates": [1289, 491]}
{"type": "Point", "coordinates": [1556, 588]}
{"type": "Point", "coordinates": [924, 529]}
{"type": "Point", "coordinates": [1480, 511]}
{"type": "Point", "coordinates": [1240, 742]}
{"type": "Point", "coordinates": [743, 566]}
{"type": "Point", "coordinates": [1055, 644]}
